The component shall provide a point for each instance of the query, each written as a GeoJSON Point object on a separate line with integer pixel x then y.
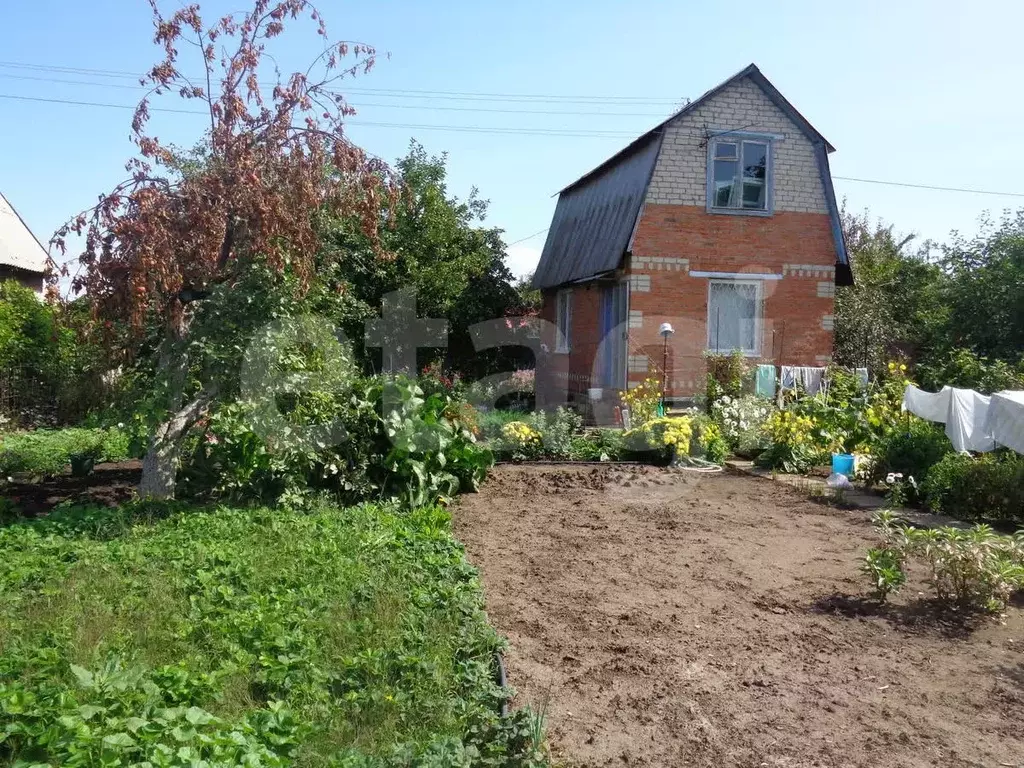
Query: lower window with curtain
{"type": "Point", "coordinates": [734, 316]}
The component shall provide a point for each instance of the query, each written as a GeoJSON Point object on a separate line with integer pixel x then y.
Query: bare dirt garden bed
{"type": "Point", "coordinates": [675, 619]}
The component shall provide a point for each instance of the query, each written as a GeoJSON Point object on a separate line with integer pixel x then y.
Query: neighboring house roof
{"type": "Point", "coordinates": [596, 214]}
{"type": "Point", "coordinates": [18, 246]}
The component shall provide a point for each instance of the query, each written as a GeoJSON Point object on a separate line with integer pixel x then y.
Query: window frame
{"type": "Point", "coordinates": [738, 138]}
{"type": "Point", "coordinates": [758, 315]}
{"type": "Point", "coordinates": [563, 336]}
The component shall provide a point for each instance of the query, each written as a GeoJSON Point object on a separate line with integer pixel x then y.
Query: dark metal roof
{"type": "Point", "coordinates": [596, 214]}
{"type": "Point", "coordinates": [594, 220]}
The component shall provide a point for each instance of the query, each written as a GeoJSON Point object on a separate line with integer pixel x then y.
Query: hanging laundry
{"type": "Point", "coordinates": [930, 406]}
{"type": "Point", "coordinates": [810, 378]}
{"type": "Point", "coordinates": [965, 426]}
{"type": "Point", "coordinates": [764, 382]}
{"type": "Point", "coordinates": [788, 377]}
{"type": "Point", "coordinates": [1005, 421]}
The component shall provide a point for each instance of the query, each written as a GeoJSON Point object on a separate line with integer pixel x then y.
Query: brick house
{"type": "Point", "coordinates": [22, 256]}
{"type": "Point", "coordinates": [721, 221]}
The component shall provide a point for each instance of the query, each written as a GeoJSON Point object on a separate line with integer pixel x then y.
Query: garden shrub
{"type": "Point", "coordinates": [642, 401]}
{"type": "Point", "coordinates": [974, 568]}
{"type": "Point", "coordinates": [597, 445]}
{"type": "Point", "coordinates": [520, 441]}
{"type": "Point", "coordinates": [911, 451]}
{"type": "Point", "coordinates": [556, 429]}
{"type": "Point", "coordinates": [667, 437]}
{"type": "Point", "coordinates": [965, 369]}
{"type": "Point", "coordinates": [741, 421]}
{"type": "Point", "coordinates": [989, 487]}
{"type": "Point", "coordinates": [223, 637]}
{"type": "Point", "coordinates": [791, 446]}
{"type": "Point", "coordinates": [48, 452]}
{"type": "Point", "coordinates": [491, 421]}
{"type": "Point", "coordinates": [726, 376]}
{"type": "Point", "coordinates": [423, 450]}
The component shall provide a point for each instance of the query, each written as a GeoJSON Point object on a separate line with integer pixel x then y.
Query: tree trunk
{"type": "Point", "coordinates": [160, 465]}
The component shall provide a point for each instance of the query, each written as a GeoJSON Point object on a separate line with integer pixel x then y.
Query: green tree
{"type": "Point", "coordinates": [985, 290]}
{"type": "Point", "coordinates": [438, 245]}
{"type": "Point", "coordinates": [895, 306]}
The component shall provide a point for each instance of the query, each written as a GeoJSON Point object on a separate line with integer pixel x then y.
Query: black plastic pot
{"type": "Point", "coordinates": [82, 465]}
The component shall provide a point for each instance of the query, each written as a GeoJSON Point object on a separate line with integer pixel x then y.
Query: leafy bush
{"type": "Point", "coordinates": [726, 376]}
{"type": "Point", "coordinates": [642, 401]}
{"type": "Point", "coordinates": [423, 449]}
{"type": "Point", "coordinates": [911, 451]}
{"type": "Point", "coordinates": [668, 436]}
{"type": "Point", "coordinates": [791, 447]}
{"type": "Point", "coordinates": [48, 452]}
{"type": "Point", "coordinates": [741, 421]}
{"type": "Point", "coordinates": [713, 443]}
{"type": "Point", "coordinates": [990, 487]}
{"type": "Point", "coordinates": [491, 421]}
{"type": "Point", "coordinates": [556, 429]}
{"type": "Point", "coordinates": [974, 568]}
{"type": "Point", "coordinates": [181, 637]}
{"type": "Point", "coordinates": [521, 441]}
{"type": "Point", "coordinates": [964, 369]}
{"type": "Point", "coordinates": [597, 445]}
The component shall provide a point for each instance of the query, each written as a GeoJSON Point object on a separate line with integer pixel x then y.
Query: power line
{"type": "Point", "coordinates": [603, 114]}
{"type": "Point", "coordinates": [594, 133]}
{"type": "Point", "coordinates": [528, 237]}
{"type": "Point", "coordinates": [930, 186]}
{"type": "Point", "coordinates": [629, 101]}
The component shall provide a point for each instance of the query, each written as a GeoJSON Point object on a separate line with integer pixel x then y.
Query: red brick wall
{"type": "Point", "coordinates": [793, 311]}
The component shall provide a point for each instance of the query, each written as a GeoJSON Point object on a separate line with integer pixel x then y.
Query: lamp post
{"type": "Point", "coordinates": [665, 330]}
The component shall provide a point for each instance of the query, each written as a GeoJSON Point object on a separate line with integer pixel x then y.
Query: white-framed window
{"type": "Point", "coordinates": [563, 320]}
{"type": "Point", "coordinates": [739, 175]}
{"type": "Point", "coordinates": [734, 316]}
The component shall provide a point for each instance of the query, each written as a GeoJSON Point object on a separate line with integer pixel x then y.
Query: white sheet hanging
{"type": "Point", "coordinates": [1005, 420]}
{"type": "Point", "coordinates": [965, 425]}
{"type": "Point", "coordinates": [930, 406]}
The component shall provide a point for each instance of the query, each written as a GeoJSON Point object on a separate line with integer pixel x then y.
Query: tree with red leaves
{"type": "Point", "coordinates": [273, 158]}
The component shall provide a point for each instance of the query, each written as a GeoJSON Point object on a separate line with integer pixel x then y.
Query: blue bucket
{"type": "Point", "coordinates": [842, 464]}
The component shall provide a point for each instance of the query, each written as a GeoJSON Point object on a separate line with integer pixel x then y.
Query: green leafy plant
{"type": "Point", "coordinates": [969, 568]}
{"type": "Point", "coordinates": [989, 487]}
{"type": "Point", "coordinates": [666, 437]}
{"type": "Point", "coordinates": [48, 452]}
{"type": "Point", "coordinates": [597, 445]}
{"type": "Point", "coordinates": [556, 429]}
{"type": "Point", "coordinates": [910, 451]}
{"type": "Point", "coordinates": [642, 401]}
{"type": "Point", "coordinates": [180, 636]}
{"type": "Point", "coordinates": [884, 567]}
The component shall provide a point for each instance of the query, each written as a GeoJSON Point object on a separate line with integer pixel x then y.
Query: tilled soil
{"type": "Point", "coordinates": [674, 619]}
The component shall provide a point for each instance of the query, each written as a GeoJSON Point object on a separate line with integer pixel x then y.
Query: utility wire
{"type": "Point", "coordinates": [510, 131]}
{"type": "Point", "coordinates": [528, 237]}
{"type": "Point", "coordinates": [391, 92]}
{"type": "Point", "coordinates": [930, 186]}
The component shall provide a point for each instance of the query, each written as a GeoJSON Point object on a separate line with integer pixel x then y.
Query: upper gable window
{"type": "Point", "coordinates": [739, 176]}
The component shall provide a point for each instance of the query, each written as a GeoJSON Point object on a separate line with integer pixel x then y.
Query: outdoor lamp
{"type": "Point", "coordinates": [665, 330]}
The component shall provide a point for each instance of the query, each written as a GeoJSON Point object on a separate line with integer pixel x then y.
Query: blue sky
{"type": "Point", "coordinates": [918, 92]}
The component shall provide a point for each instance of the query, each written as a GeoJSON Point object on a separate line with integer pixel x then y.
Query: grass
{"type": "Point", "coordinates": [169, 636]}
